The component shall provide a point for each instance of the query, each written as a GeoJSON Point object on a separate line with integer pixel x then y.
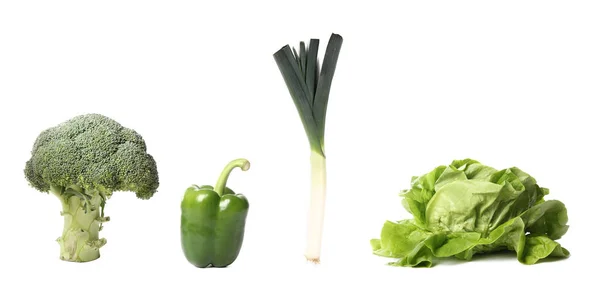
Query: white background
{"type": "Point", "coordinates": [418, 84]}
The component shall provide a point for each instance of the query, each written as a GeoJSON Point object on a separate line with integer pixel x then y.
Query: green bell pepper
{"type": "Point", "coordinates": [213, 221]}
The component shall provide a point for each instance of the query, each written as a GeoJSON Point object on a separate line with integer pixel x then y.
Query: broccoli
{"type": "Point", "coordinates": [83, 161]}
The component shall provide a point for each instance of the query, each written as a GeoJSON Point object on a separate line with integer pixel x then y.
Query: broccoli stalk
{"type": "Point", "coordinates": [83, 218]}
{"type": "Point", "coordinates": [82, 162]}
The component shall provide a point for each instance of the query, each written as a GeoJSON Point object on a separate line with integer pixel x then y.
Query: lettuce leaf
{"type": "Point", "coordinates": [467, 208]}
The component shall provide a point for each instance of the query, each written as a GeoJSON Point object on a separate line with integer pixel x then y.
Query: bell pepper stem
{"type": "Point", "coordinates": [222, 181]}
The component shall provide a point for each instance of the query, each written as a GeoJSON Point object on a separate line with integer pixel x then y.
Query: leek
{"type": "Point", "coordinates": [309, 85]}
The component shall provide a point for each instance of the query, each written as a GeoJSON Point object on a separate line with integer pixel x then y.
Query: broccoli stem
{"type": "Point", "coordinates": [82, 222]}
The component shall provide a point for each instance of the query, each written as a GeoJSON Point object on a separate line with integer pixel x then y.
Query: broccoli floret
{"type": "Point", "coordinates": [83, 161]}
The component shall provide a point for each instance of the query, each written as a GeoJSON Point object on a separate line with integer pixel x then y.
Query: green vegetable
{"type": "Point", "coordinates": [309, 86]}
{"type": "Point", "coordinates": [82, 161]}
{"type": "Point", "coordinates": [468, 208]}
{"type": "Point", "coordinates": [213, 221]}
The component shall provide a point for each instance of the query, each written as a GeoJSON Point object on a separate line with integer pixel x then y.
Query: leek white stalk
{"type": "Point", "coordinates": [316, 211]}
{"type": "Point", "coordinates": [309, 86]}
